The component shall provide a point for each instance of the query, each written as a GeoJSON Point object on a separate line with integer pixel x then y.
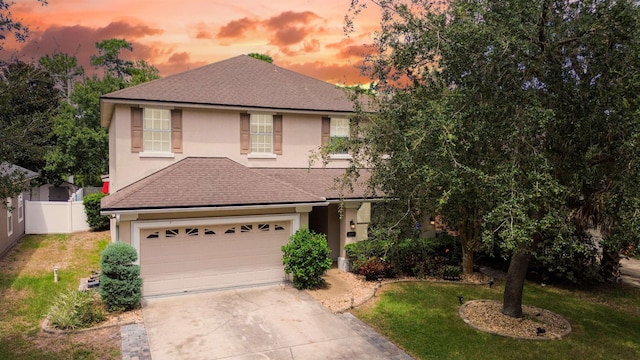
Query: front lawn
{"type": "Point", "coordinates": [423, 319]}
{"type": "Point", "coordinates": [27, 291]}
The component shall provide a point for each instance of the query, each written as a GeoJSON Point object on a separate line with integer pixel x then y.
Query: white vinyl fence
{"type": "Point", "coordinates": [51, 217]}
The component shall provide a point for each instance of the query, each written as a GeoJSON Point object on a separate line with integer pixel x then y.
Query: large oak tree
{"type": "Point", "coordinates": [517, 120]}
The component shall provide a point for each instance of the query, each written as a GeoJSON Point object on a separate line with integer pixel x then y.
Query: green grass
{"type": "Point", "coordinates": [423, 319]}
{"type": "Point", "coordinates": [27, 292]}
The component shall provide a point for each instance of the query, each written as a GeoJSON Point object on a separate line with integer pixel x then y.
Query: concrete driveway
{"type": "Point", "coordinates": [272, 322]}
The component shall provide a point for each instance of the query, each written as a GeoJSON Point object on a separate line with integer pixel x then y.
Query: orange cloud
{"type": "Point", "coordinates": [289, 31]}
{"type": "Point", "coordinates": [202, 32]}
{"type": "Point", "coordinates": [237, 28]}
{"type": "Point", "coordinates": [349, 49]}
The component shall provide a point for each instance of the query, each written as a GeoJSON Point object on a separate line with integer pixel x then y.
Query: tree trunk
{"type": "Point", "coordinates": [514, 286]}
{"type": "Point", "coordinates": [610, 265]}
{"type": "Point", "coordinates": [469, 232]}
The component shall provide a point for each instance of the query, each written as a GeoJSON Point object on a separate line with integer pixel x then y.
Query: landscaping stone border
{"type": "Point", "coordinates": [509, 332]}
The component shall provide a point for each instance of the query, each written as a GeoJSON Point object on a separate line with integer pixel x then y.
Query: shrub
{"type": "Point", "coordinates": [375, 269]}
{"type": "Point", "coordinates": [451, 272]}
{"type": "Point", "coordinates": [76, 309]}
{"type": "Point", "coordinates": [120, 282]}
{"type": "Point", "coordinates": [412, 257]}
{"type": "Point", "coordinates": [96, 221]}
{"type": "Point", "coordinates": [307, 257]}
{"type": "Point", "coordinates": [361, 252]}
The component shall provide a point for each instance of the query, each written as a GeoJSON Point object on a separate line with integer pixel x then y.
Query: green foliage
{"type": "Point", "coordinates": [96, 221]}
{"type": "Point", "coordinates": [307, 257]}
{"type": "Point", "coordinates": [81, 143]}
{"type": "Point", "coordinates": [28, 102]}
{"type": "Point", "coordinates": [514, 120]}
{"type": "Point", "coordinates": [120, 282]}
{"type": "Point", "coordinates": [65, 70]}
{"type": "Point", "coordinates": [76, 309]}
{"type": "Point", "coordinates": [410, 256]}
{"type": "Point", "coordinates": [262, 57]}
{"type": "Point", "coordinates": [451, 272]}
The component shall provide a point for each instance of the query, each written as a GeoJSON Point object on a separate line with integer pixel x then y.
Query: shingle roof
{"type": "Point", "coordinates": [10, 169]}
{"type": "Point", "coordinates": [221, 182]}
{"type": "Point", "coordinates": [241, 81]}
{"type": "Point", "coordinates": [205, 182]}
{"type": "Point", "coordinates": [321, 181]}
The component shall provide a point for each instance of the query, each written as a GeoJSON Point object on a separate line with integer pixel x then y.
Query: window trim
{"type": "Point", "coordinates": [148, 111]}
{"type": "Point", "coordinates": [9, 203]}
{"type": "Point", "coordinates": [259, 116]}
{"type": "Point", "coordinates": [339, 155]}
{"type": "Point", "coordinates": [20, 208]}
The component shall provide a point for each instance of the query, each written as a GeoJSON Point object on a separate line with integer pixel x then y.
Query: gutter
{"type": "Point", "coordinates": [209, 208]}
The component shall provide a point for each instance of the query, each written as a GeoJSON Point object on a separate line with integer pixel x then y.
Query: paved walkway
{"type": "Point", "coordinates": [134, 342]}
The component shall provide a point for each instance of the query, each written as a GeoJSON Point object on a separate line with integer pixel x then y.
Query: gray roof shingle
{"type": "Point", "coordinates": [241, 81]}
{"type": "Point", "coordinates": [220, 182]}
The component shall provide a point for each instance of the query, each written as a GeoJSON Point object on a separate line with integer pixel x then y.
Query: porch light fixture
{"type": "Point", "coordinates": [352, 225]}
{"type": "Point", "coordinates": [432, 221]}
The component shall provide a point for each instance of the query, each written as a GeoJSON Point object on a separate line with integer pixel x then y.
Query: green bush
{"type": "Point", "coordinates": [451, 272]}
{"type": "Point", "coordinates": [307, 257]}
{"type": "Point", "coordinates": [75, 310]}
{"type": "Point", "coordinates": [412, 257]}
{"type": "Point", "coordinates": [120, 282]}
{"type": "Point", "coordinates": [96, 221]}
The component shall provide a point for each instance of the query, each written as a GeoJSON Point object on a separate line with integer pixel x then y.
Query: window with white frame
{"type": "Point", "coordinates": [9, 217]}
{"type": "Point", "coordinates": [261, 132]}
{"type": "Point", "coordinates": [156, 130]}
{"type": "Point", "coordinates": [339, 133]}
{"type": "Point", "coordinates": [20, 208]}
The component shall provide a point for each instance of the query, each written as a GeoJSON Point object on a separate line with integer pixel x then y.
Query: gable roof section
{"type": "Point", "coordinates": [220, 182]}
{"type": "Point", "coordinates": [241, 81]}
{"type": "Point", "coordinates": [205, 183]}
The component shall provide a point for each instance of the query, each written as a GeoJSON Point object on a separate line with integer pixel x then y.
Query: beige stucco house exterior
{"type": "Point", "coordinates": [209, 173]}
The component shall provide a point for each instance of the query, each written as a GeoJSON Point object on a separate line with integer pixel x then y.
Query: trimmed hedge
{"type": "Point", "coordinates": [96, 221]}
{"type": "Point", "coordinates": [120, 282]}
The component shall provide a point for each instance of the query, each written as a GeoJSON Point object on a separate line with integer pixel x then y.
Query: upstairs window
{"type": "Point", "coordinates": [335, 132]}
{"type": "Point", "coordinates": [156, 130]}
{"type": "Point", "coordinates": [261, 135]}
{"type": "Point", "coordinates": [261, 131]}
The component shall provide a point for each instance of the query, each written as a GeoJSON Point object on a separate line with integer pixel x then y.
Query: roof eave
{"type": "Point", "coordinates": [111, 211]}
{"type": "Point", "coordinates": [107, 105]}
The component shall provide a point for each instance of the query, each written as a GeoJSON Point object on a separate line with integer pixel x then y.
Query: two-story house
{"type": "Point", "coordinates": [209, 173]}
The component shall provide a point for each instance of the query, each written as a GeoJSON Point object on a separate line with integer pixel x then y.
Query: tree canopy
{"type": "Point", "coordinates": [515, 120]}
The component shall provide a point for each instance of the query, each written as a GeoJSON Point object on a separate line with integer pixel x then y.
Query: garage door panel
{"type": "Point", "coordinates": [178, 259]}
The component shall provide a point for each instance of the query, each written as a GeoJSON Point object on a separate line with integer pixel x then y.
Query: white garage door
{"type": "Point", "coordinates": [192, 258]}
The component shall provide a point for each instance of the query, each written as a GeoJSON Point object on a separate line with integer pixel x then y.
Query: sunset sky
{"type": "Point", "coordinates": [301, 35]}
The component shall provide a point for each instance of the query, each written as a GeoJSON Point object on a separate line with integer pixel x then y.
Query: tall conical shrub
{"type": "Point", "coordinates": [120, 282]}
